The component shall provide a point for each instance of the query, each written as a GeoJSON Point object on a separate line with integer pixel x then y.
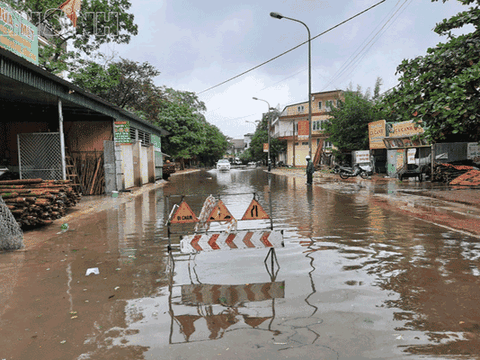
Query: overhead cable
{"type": "Point", "coordinates": [295, 47]}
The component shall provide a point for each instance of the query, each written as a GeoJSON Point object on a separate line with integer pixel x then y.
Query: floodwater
{"type": "Point", "coordinates": [353, 281]}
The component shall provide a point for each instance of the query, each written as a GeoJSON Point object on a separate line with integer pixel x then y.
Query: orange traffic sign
{"type": "Point", "coordinates": [255, 212]}
{"type": "Point", "coordinates": [220, 213]}
{"type": "Point", "coordinates": [184, 215]}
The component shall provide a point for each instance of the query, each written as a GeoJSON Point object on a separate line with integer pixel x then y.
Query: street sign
{"type": "Point", "coordinates": [255, 212]}
{"type": "Point", "coordinates": [235, 240]}
{"type": "Point", "coordinates": [183, 215]}
{"type": "Point", "coordinates": [265, 147]}
{"type": "Point", "coordinates": [220, 213]}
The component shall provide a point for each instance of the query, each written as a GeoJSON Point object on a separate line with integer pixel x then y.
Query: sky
{"type": "Point", "coordinates": [197, 45]}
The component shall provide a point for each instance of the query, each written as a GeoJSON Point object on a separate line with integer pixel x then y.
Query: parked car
{"type": "Point", "coordinates": [252, 164]}
{"type": "Point", "coordinates": [223, 165]}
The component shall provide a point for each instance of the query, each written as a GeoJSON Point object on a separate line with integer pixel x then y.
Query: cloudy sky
{"type": "Point", "coordinates": [199, 44]}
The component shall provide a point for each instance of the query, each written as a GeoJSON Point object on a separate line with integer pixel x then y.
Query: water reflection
{"type": "Point", "coordinates": [356, 280]}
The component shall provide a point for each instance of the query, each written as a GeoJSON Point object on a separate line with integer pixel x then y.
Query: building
{"type": "Point", "coordinates": [50, 125]}
{"type": "Point", "coordinates": [292, 126]}
{"type": "Point", "coordinates": [247, 139]}
{"type": "Point", "coordinates": [237, 147]}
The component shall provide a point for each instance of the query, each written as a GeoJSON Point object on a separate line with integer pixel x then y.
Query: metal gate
{"type": "Point", "coordinates": [40, 156]}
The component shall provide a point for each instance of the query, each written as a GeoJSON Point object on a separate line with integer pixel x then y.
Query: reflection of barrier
{"type": "Point", "coordinates": [231, 295]}
{"type": "Point", "coordinates": [230, 299]}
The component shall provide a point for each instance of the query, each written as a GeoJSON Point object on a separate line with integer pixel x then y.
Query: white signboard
{"type": "Point", "coordinates": [362, 156]}
{"type": "Point", "coordinates": [411, 156]}
{"type": "Point", "coordinates": [473, 150]}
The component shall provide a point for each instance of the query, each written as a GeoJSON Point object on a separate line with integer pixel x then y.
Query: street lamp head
{"type": "Point", "coordinates": [276, 15]}
{"type": "Point", "coordinates": [254, 98]}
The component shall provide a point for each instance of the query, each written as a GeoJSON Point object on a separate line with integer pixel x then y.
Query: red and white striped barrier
{"type": "Point", "coordinates": [231, 295]}
{"type": "Point", "coordinates": [234, 240]}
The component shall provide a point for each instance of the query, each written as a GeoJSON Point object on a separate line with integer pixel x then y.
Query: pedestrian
{"type": "Point", "coordinates": [310, 170]}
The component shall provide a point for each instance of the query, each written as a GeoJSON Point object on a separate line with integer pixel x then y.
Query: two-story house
{"type": "Point", "coordinates": [292, 125]}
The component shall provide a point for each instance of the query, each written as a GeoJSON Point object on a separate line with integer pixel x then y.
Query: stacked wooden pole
{"type": "Point", "coordinates": [447, 172]}
{"type": "Point", "coordinates": [90, 169]}
{"type": "Point", "coordinates": [36, 202]}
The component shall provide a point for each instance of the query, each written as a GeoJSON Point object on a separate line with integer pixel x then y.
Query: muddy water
{"type": "Point", "coordinates": [354, 281]}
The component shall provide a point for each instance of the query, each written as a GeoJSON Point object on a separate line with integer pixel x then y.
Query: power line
{"type": "Point", "coordinates": [295, 47]}
{"type": "Point", "coordinates": [352, 64]}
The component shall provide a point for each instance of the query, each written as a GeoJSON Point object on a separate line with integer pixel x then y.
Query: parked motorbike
{"type": "Point", "coordinates": [346, 172]}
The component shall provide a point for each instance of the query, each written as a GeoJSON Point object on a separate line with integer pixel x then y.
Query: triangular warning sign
{"type": "Point", "coordinates": [184, 215]}
{"type": "Point", "coordinates": [255, 212]}
{"type": "Point", "coordinates": [220, 213]}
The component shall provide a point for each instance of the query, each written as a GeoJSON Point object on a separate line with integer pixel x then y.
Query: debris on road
{"type": "Point", "coordinates": [94, 271]}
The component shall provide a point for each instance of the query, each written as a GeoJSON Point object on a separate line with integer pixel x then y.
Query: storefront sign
{"type": "Point", "coordinates": [473, 151]}
{"type": "Point", "coordinates": [405, 128]}
{"type": "Point", "coordinates": [362, 156]}
{"type": "Point", "coordinates": [411, 156]}
{"type": "Point", "coordinates": [376, 133]}
{"type": "Point", "coordinates": [122, 132]}
{"type": "Point", "coordinates": [157, 144]}
{"type": "Point", "coordinates": [17, 34]}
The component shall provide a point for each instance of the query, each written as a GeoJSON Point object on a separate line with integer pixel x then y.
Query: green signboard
{"type": "Point", "coordinates": [17, 34]}
{"type": "Point", "coordinates": [157, 144]}
{"type": "Point", "coordinates": [122, 132]}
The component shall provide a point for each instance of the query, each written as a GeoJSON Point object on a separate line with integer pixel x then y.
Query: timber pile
{"type": "Point", "coordinates": [447, 172]}
{"type": "Point", "coordinates": [35, 202]}
{"type": "Point", "coordinates": [91, 172]}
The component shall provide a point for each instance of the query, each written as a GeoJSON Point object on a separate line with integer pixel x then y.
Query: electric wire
{"type": "Point", "coordinates": [352, 64]}
{"type": "Point", "coordinates": [295, 47]}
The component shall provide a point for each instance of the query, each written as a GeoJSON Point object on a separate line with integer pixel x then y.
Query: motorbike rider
{"type": "Point", "coordinates": [310, 170]}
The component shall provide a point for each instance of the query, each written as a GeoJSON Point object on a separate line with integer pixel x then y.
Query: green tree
{"type": "Point", "coordinates": [99, 22]}
{"type": "Point", "coordinates": [125, 83]}
{"type": "Point", "coordinates": [191, 136]}
{"type": "Point", "coordinates": [347, 127]}
{"type": "Point", "coordinates": [441, 89]}
{"type": "Point", "coordinates": [260, 137]}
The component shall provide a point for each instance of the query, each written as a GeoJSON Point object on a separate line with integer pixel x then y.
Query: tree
{"type": "Point", "coordinates": [191, 136]}
{"type": "Point", "coordinates": [440, 90]}
{"type": "Point", "coordinates": [260, 137]}
{"type": "Point", "coordinates": [99, 22]}
{"type": "Point", "coordinates": [347, 127]}
{"type": "Point", "coordinates": [125, 83]}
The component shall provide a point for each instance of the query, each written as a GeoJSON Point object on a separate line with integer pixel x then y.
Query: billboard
{"type": "Point", "coordinates": [376, 134]}
{"type": "Point", "coordinates": [17, 34]}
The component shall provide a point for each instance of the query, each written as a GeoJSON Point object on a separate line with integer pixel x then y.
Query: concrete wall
{"type": "Point", "coordinates": [128, 179]}
{"type": "Point", "coordinates": [144, 157]}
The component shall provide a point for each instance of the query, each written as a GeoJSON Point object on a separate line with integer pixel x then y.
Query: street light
{"type": "Point", "coordinates": [279, 16]}
{"type": "Point", "coordinates": [268, 132]}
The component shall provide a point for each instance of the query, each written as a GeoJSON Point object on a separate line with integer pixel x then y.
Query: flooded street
{"type": "Point", "coordinates": [353, 281]}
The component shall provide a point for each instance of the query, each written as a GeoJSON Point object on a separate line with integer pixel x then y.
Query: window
{"type": "Point", "coordinates": [327, 144]}
{"type": "Point", "coordinates": [328, 105]}
{"type": "Point", "coordinates": [296, 144]}
{"type": "Point", "coordinates": [319, 105]}
{"type": "Point", "coordinates": [317, 125]}
{"type": "Point", "coordinates": [305, 143]}
{"type": "Point", "coordinates": [140, 135]}
{"type": "Point", "coordinates": [301, 108]}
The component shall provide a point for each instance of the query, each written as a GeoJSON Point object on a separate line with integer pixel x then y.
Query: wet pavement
{"type": "Point", "coordinates": [359, 277]}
